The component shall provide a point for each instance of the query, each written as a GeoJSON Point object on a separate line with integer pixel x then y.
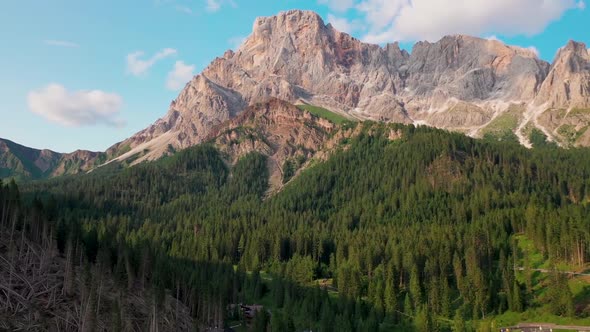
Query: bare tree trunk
{"type": "Point", "coordinates": [69, 268]}
{"type": "Point", "coordinates": [176, 308]}
{"type": "Point", "coordinates": [154, 321]}
{"type": "Point", "coordinates": [129, 269]}
{"type": "Point", "coordinates": [99, 293]}
{"type": "Point", "coordinates": [4, 212]}
{"type": "Point", "coordinates": [12, 251]}
{"type": "Point", "coordinates": [22, 237]}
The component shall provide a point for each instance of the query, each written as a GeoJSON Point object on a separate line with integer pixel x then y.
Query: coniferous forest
{"type": "Point", "coordinates": [430, 231]}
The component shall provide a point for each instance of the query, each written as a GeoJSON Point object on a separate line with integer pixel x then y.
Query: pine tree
{"type": "Point", "coordinates": [260, 321]}
{"type": "Point", "coordinates": [327, 318]}
{"type": "Point", "coordinates": [459, 322]}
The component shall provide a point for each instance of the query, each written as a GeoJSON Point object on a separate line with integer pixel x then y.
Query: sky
{"type": "Point", "coordinates": [87, 74]}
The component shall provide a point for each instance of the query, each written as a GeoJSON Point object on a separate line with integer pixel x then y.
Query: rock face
{"type": "Point", "coordinates": [21, 162]}
{"type": "Point", "coordinates": [568, 82]}
{"type": "Point", "coordinates": [563, 102]}
{"type": "Point", "coordinates": [460, 82]}
{"type": "Point", "coordinates": [284, 133]}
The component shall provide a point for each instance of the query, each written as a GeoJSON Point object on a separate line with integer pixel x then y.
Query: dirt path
{"type": "Point", "coordinates": [550, 271]}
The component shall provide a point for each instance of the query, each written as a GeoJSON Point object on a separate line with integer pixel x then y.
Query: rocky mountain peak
{"type": "Point", "coordinates": [573, 57]}
{"type": "Point", "coordinates": [568, 83]}
{"type": "Point", "coordinates": [575, 47]}
{"type": "Point", "coordinates": [459, 82]}
{"type": "Point", "coordinates": [297, 22]}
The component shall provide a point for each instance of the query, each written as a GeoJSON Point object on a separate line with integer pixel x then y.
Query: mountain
{"type": "Point", "coordinates": [480, 87]}
{"type": "Point", "coordinates": [21, 162]}
{"type": "Point", "coordinates": [477, 86]}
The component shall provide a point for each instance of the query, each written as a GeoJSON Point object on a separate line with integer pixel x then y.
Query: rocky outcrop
{"type": "Point", "coordinates": [568, 83]}
{"type": "Point", "coordinates": [275, 128]}
{"type": "Point", "coordinates": [562, 107]}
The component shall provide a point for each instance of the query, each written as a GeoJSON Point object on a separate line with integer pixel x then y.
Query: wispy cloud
{"type": "Point", "coordinates": [179, 75]}
{"type": "Point", "coordinates": [343, 24]}
{"type": "Point", "coordinates": [137, 66]}
{"type": "Point", "coordinates": [60, 43]}
{"type": "Point", "coordinates": [76, 108]}
{"type": "Point", "coordinates": [213, 6]}
{"type": "Point", "coordinates": [338, 5]}
{"type": "Point", "coordinates": [184, 9]}
{"type": "Point", "coordinates": [236, 41]}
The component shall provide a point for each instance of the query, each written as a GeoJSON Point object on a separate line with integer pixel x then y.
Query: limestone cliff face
{"type": "Point", "coordinates": [568, 82]}
{"type": "Point", "coordinates": [563, 102]}
{"type": "Point", "coordinates": [472, 70]}
{"type": "Point", "coordinates": [460, 82]}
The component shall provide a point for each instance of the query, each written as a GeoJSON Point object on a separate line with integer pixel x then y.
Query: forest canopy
{"type": "Point", "coordinates": [428, 231]}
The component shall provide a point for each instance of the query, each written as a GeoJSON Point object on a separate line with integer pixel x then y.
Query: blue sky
{"type": "Point", "coordinates": [87, 74]}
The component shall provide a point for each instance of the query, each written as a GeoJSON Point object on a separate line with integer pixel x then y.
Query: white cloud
{"type": "Point", "coordinates": [344, 25]}
{"type": "Point", "coordinates": [236, 42]}
{"type": "Point", "coordinates": [180, 75]}
{"type": "Point", "coordinates": [137, 66]}
{"type": "Point", "coordinates": [61, 43]}
{"type": "Point", "coordinates": [411, 20]}
{"type": "Point", "coordinates": [76, 108]}
{"type": "Point", "coordinates": [338, 5]}
{"type": "Point", "coordinates": [215, 5]}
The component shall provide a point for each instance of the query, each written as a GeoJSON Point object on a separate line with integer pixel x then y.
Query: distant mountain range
{"type": "Point", "coordinates": [22, 162]}
{"type": "Point", "coordinates": [476, 86]}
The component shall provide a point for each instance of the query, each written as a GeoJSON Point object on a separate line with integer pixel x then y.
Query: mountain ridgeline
{"type": "Point", "coordinates": [396, 228]}
{"type": "Point", "coordinates": [476, 86]}
{"type": "Point", "coordinates": [479, 87]}
{"type": "Point", "coordinates": [23, 163]}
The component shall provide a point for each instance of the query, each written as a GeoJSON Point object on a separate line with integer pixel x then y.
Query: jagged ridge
{"type": "Point", "coordinates": [460, 82]}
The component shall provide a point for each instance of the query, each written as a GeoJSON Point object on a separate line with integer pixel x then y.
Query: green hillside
{"type": "Point", "coordinates": [324, 113]}
{"type": "Point", "coordinates": [418, 233]}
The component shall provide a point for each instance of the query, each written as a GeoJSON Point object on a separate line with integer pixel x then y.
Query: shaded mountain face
{"type": "Point", "coordinates": [286, 134]}
{"type": "Point", "coordinates": [20, 162]}
{"type": "Point", "coordinates": [460, 83]}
